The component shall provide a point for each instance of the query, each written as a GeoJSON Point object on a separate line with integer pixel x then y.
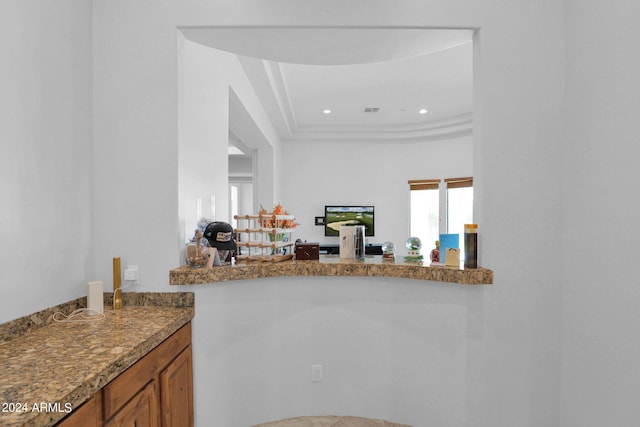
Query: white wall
{"type": "Point", "coordinates": [210, 81]}
{"type": "Point", "coordinates": [601, 378]}
{"type": "Point", "coordinates": [46, 255]}
{"type": "Point", "coordinates": [394, 349]}
{"type": "Point", "coordinates": [512, 350]}
{"type": "Point", "coordinates": [240, 166]}
{"type": "Point", "coordinates": [343, 173]}
{"type": "Point", "coordinates": [512, 347]}
{"type": "Point", "coordinates": [245, 198]}
{"type": "Point", "coordinates": [204, 134]}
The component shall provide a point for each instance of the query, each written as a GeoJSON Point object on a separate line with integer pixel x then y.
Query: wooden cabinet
{"type": "Point", "coordinates": [89, 414]}
{"type": "Point", "coordinates": [157, 391]}
{"type": "Point", "coordinates": [141, 411]}
{"type": "Point", "coordinates": [176, 391]}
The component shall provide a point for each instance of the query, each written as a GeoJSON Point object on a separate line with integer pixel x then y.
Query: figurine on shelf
{"type": "Point", "coordinates": [388, 251]}
{"type": "Point", "coordinates": [196, 251]}
{"type": "Point", "coordinates": [435, 253]}
{"type": "Point", "coordinates": [413, 245]}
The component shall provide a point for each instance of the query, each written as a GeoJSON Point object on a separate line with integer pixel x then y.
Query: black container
{"type": "Point", "coordinates": [471, 246]}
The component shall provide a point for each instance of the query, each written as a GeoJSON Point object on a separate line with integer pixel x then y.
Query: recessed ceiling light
{"type": "Point", "coordinates": [326, 111]}
{"type": "Point", "coordinates": [423, 111]}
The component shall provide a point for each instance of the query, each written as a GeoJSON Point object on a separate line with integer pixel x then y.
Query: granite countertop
{"type": "Point", "coordinates": [331, 265]}
{"type": "Point", "coordinates": [64, 364]}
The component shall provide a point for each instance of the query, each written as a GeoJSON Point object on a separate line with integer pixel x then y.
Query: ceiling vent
{"type": "Point", "coordinates": [371, 109]}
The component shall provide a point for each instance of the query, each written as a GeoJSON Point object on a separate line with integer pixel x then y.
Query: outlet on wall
{"type": "Point", "coordinates": [316, 373]}
{"type": "Point", "coordinates": [131, 273]}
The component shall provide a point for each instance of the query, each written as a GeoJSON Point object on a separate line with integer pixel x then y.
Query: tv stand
{"type": "Point", "coordinates": [369, 249]}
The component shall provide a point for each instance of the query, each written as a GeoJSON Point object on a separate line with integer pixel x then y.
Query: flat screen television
{"type": "Point", "coordinates": [335, 216]}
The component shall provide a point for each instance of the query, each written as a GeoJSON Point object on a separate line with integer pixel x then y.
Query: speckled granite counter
{"type": "Point", "coordinates": [63, 364]}
{"type": "Point", "coordinates": [330, 266]}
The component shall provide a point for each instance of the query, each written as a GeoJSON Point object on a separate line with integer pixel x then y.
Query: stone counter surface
{"type": "Point", "coordinates": [48, 368]}
{"type": "Point", "coordinates": [330, 266]}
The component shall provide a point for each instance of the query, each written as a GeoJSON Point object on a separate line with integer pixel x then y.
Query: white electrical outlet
{"type": "Point", "coordinates": [316, 373]}
{"type": "Point", "coordinates": [132, 274]}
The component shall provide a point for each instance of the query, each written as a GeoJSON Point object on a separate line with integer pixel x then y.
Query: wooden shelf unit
{"type": "Point", "coordinates": [265, 237]}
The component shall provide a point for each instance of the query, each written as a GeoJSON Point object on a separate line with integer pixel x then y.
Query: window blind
{"type": "Point", "coordinates": [459, 182]}
{"type": "Point", "coordinates": [424, 184]}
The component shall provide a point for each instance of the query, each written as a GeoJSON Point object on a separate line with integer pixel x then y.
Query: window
{"type": "Point", "coordinates": [440, 206]}
{"type": "Point", "coordinates": [425, 211]}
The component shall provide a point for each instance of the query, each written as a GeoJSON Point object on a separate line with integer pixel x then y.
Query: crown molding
{"type": "Point", "coordinates": [451, 127]}
{"type": "Point", "coordinates": [271, 88]}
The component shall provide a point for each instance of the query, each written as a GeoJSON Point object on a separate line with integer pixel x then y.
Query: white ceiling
{"type": "Point", "coordinates": [299, 72]}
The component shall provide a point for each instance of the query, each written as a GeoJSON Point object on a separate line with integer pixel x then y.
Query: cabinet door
{"type": "Point", "coordinates": [126, 385]}
{"type": "Point", "coordinates": [141, 411]}
{"type": "Point", "coordinates": [87, 415]}
{"type": "Point", "coordinates": [176, 391]}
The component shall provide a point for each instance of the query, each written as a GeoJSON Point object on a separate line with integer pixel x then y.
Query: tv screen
{"type": "Point", "coordinates": [335, 216]}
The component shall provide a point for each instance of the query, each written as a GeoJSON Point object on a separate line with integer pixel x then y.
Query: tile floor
{"type": "Point", "coordinates": [331, 421]}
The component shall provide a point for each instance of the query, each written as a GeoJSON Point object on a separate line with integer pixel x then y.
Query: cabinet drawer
{"type": "Point", "coordinates": [124, 387]}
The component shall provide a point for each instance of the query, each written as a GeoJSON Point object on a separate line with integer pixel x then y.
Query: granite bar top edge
{"type": "Point", "coordinates": [330, 267]}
